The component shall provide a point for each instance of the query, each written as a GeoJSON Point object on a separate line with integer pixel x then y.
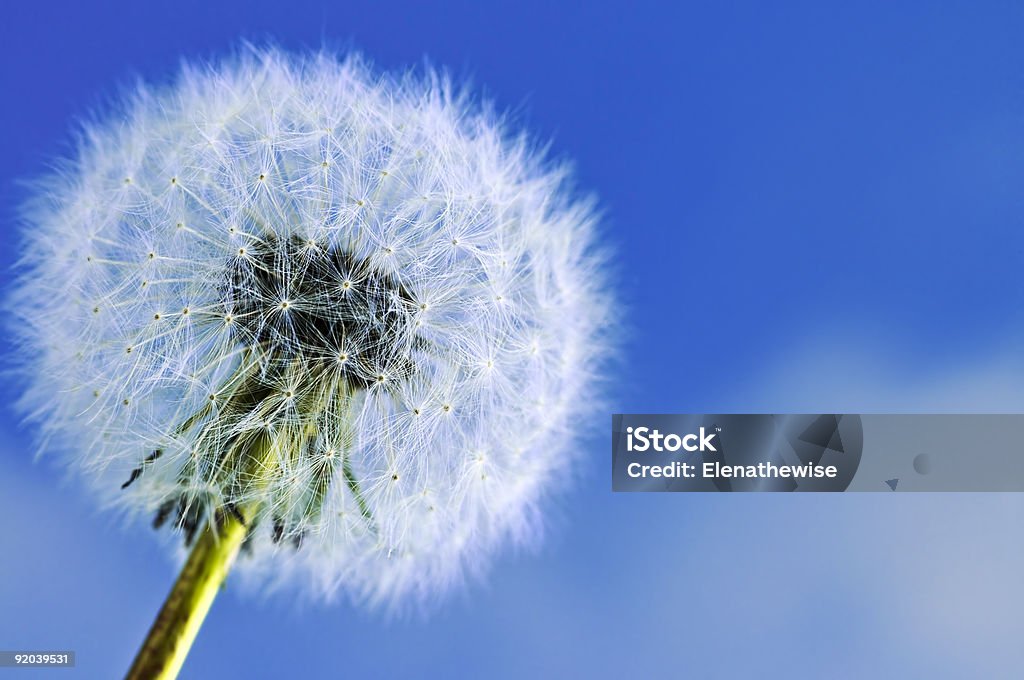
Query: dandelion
{"type": "Point", "coordinates": [337, 322]}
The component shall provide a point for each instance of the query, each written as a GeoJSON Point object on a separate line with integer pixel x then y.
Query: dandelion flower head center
{"type": "Point", "coordinates": [295, 298]}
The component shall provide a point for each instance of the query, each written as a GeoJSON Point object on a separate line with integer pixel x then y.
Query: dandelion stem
{"type": "Point", "coordinates": [174, 630]}
{"type": "Point", "coordinates": [171, 636]}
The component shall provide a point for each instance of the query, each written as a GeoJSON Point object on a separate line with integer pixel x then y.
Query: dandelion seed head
{"type": "Point", "coordinates": [364, 273]}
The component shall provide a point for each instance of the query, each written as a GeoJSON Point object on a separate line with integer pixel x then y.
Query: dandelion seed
{"type": "Point", "coordinates": [273, 403]}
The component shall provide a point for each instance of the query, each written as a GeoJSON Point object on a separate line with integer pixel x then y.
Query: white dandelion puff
{"type": "Point", "coordinates": [348, 300]}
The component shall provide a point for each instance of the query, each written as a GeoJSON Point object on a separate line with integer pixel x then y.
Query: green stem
{"type": "Point", "coordinates": [169, 640]}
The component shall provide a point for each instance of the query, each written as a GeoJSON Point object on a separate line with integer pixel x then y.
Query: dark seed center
{"type": "Point", "coordinates": [298, 299]}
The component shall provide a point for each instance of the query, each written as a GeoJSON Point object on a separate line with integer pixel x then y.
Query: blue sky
{"type": "Point", "coordinates": [815, 206]}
